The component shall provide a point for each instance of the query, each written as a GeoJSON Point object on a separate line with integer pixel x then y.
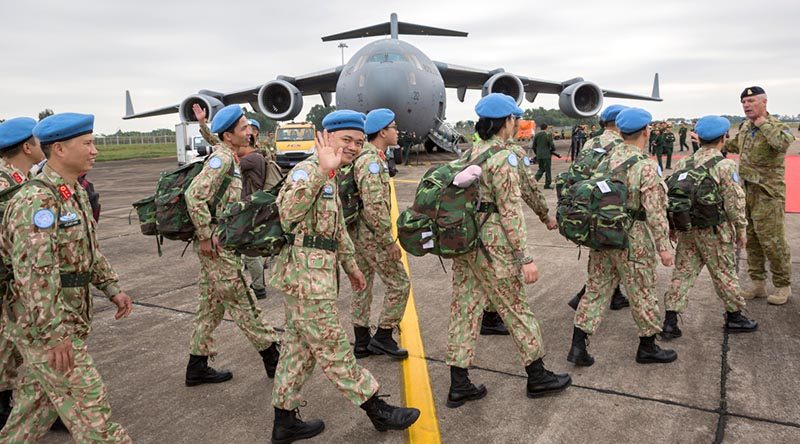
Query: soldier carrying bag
{"type": "Point", "coordinates": [693, 197]}
{"type": "Point", "coordinates": [581, 169]}
{"type": "Point", "coordinates": [592, 212]}
{"type": "Point", "coordinates": [444, 217]}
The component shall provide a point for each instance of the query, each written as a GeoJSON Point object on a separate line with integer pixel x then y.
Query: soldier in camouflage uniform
{"type": "Point", "coordinates": [222, 284]}
{"type": "Point", "coordinates": [762, 142]}
{"type": "Point", "coordinates": [682, 131]}
{"type": "Point", "coordinates": [712, 247]}
{"type": "Point", "coordinates": [497, 272]}
{"type": "Point", "coordinates": [307, 272]}
{"type": "Point", "coordinates": [48, 235]}
{"type": "Point", "coordinates": [635, 266]}
{"type": "Point", "coordinates": [376, 249]}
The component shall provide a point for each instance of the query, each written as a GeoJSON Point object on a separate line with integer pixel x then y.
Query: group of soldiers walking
{"type": "Point", "coordinates": [51, 257]}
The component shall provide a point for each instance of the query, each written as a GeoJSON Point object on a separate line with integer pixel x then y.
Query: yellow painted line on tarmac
{"type": "Point", "coordinates": [416, 381]}
{"type": "Point", "coordinates": [406, 181]}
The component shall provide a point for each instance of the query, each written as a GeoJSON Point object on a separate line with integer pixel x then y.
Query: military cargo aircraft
{"type": "Point", "coordinates": [394, 74]}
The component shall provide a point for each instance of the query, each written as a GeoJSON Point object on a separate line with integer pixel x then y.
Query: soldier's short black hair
{"type": "Point", "coordinates": [487, 128]}
{"type": "Point", "coordinates": [16, 149]}
{"type": "Point", "coordinates": [47, 148]}
{"type": "Point", "coordinates": [544, 126]}
{"type": "Point", "coordinates": [634, 135]}
{"type": "Point", "coordinates": [713, 141]}
{"type": "Point", "coordinates": [371, 137]}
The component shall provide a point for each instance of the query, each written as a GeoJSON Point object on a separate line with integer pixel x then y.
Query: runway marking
{"type": "Point", "coordinates": [416, 381]}
{"type": "Point", "coordinates": [406, 181]}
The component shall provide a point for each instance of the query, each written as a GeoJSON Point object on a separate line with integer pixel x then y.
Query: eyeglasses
{"type": "Point", "coordinates": [394, 127]}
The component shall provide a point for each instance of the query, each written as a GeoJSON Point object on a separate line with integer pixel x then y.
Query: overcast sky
{"type": "Point", "coordinates": [82, 55]}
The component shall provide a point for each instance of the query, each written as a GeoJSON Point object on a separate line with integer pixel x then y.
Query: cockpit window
{"type": "Point", "coordinates": [386, 57]}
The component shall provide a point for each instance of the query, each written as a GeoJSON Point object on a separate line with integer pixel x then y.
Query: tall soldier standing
{"type": "Point", "coordinates": [49, 238]}
{"type": "Point", "coordinates": [497, 273]}
{"type": "Point", "coordinates": [762, 142]}
{"type": "Point", "coordinates": [222, 285]}
{"type": "Point", "coordinates": [307, 271]}
{"type": "Point", "coordinates": [377, 251]}
{"type": "Point", "coordinates": [682, 130]}
{"type": "Point", "coordinates": [543, 148]}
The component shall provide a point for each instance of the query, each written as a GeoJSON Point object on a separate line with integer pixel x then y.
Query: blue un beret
{"type": "Point", "coordinates": [63, 126]}
{"type": "Point", "coordinates": [378, 119]}
{"type": "Point", "coordinates": [497, 105]}
{"type": "Point", "coordinates": [712, 127]}
{"type": "Point", "coordinates": [344, 119]}
{"type": "Point", "coordinates": [631, 120]}
{"type": "Point", "coordinates": [225, 118]}
{"type": "Point", "coordinates": [15, 131]}
{"type": "Point", "coordinates": [254, 122]}
{"type": "Point", "coordinates": [610, 114]}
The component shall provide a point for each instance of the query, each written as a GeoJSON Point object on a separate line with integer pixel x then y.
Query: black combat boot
{"type": "Point", "coordinates": [492, 324]}
{"type": "Point", "coordinates": [260, 294]}
{"type": "Point", "coordinates": [388, 417]}
{"type": "Point", "coordinates": [270, 356]}
{"type": "Point", "coordinates": [198, 372]}
{"type": "Point", "coordinates": [363, 338]}
{"type": "Point", "coordinates": [462, 389]}
{"type": "Point", "coordinates": [736, 322]}
{"type": "Point", "coordinates": [288, 428]}
{"type": "Point", "coordinates": [576, 300]}
{"type": "Point", "coordinates": [542, 381]}
{"type": "Point", "coordinates": [618, 300]}
{"type": "Point", "coordinates": [577, 353]}
{"type": "Point", "coordinates": [650, 353]}
{"type": "Point", "coordinates": [670, 329]}
{"type": "Point", "coordinates": [5, 407]}
{"type": "Point", "coordinates": [383, 342]}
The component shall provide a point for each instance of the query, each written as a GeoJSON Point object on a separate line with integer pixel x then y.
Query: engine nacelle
{"type": "Point", "coordinates": [210, 104]}
{"type": "Point", "coordinates": [505, 83]}
{"type": "Point", "coordinates": [582, 99]}
{"type": "Point", "coordinates": [280, 100]}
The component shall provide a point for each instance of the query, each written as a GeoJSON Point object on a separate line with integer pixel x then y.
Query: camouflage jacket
{"type": "Point", "coordinates": [206, 184]}
{"type": "Point", "coordinates": [210, 137]}
{"type": "Point", "coordinates": [529, 188]}
{"type": "Point", "coordinates": [761, 154]}
{"type": "Point", "coordinates": [46, 236]}
{"type": "Point", "coordinates": [372, 178]}
{"type": "Point", "coordinates": [10, 175]}
{"type": "Point", "coordinates": [504, 232]}
{"type": "Point", "coordinates": [647, 191]}
{"type": "Point", "coordinates": [725, 175]}
{"type": "Point", "coordinates": [605, 141]}
{"type": "Point", "coordinates": [309, 205]}
{"type": "Point", "coordinates": [543, 145]}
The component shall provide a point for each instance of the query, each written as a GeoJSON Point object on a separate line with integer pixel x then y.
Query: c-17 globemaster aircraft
{"type": "Point", "coordinates": [394, 74]}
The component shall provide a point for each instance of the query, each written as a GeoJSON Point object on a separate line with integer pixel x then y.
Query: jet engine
{"type": "Point", "coordinates": [581, 99]}
{"type": "Point", "coordinates": [505, 83]}
{"type": "Point", "coordinates": [210, 104]}
{"type": "Point", "coordinates": [280, 100]}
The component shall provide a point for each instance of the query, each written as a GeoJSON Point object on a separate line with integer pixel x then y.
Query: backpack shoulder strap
{"type": "Point", "coordinates": [7, 176]}
{"type": "Point", "coordinates": [627, 164]}
{"type": "Point", "coordinates": [486, 155]}
{"type": "Point", "coordinates": [713, 161]}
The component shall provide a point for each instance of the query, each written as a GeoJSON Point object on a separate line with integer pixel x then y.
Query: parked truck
{"type": "Point", "coordinates": [294, 142]}
{"type": "Point", "coordinates": [190, 145]}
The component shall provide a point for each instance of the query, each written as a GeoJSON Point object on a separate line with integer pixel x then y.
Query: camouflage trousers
{"type": "Point", "coordinates": [475, 286]}
{"type": "Point", "coordinates": [713, 249]}
{"type": "Point", "coordinates": [635, 269]}
{"type": "Point", "coordinates": [255, 268]}
{"type": "Point", "coordinates": [766, 237]}
{"type": "Point", "coordinates": [78, 397]}
{"type": "Point", "coordinates": [10, 360]}
{"type": "Point", "coordinates": [315, 334]}
{"type": "Point", "coordinates": [223, 288]}
{"type": "Point", "coordinates": [371, 259]}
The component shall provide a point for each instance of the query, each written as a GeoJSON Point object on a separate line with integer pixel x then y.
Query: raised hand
{"type": "Point", "coordinates": [330, 158]}
{"type": "Point", "coordinates": [199, 113]}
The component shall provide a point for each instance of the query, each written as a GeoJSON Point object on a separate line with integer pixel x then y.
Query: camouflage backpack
{"type": "Point", "coordinates": [444, 218]}
{"type": "Point", "coordinates": [693, 197]}
{"type": "Point", "coordinates": [582, 169]}
{"type": "Point", "coordinates": [253, 226]}
{"type": "Point", "coordinates": [592, 212]}
{"type": "Point", "coordinates": [348, 194]}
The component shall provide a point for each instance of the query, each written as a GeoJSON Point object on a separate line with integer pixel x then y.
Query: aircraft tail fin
{"type": "Point", "coordinates": [394, 28]}
{"type": "Point", "coordinates": [128, 104]}
{"type": "Point", "coordinates": [656, 90]}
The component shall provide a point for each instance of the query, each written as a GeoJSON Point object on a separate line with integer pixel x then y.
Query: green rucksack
{"type": "Point", "coordinates": [253, 226]}
{"type": "Point", "coordinates": [444, 218]}
{"type": "Point", "coordinates": [582, 169]}
{"type": "Point", "coordinates": [348, 194]}
{"type": "Point", "coordinates": [592, 212]}
{"type": "Point", "coordinates": [693, 197]}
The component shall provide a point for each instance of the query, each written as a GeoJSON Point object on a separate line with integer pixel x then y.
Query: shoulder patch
{"type": "Point", "coordinates": [215, 163]}
{"type": "Point", "coordinates": [44, 218]}
{"type": "Point", "coordinates": [299, 175]}
{"type": "Point", "coordinates": [527, 161]}
{"type": "Point", "coordinates": [512, 160]}
{"type": "Point", "coordinates": [374, 168]}
{"type": "Point", "coordinates": [735, 177]}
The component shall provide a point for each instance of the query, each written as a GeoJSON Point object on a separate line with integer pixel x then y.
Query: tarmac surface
{"type": "Point", "coordinates": [723, 388]}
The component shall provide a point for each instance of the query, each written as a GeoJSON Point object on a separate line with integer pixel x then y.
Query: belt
{"type": "Point", "coordinates": [639, 214]}
{"type": "Point", "coordinates": [309, 241]}
{"type": "Point", "coordinates": [487, 207]}
{"type": "Point", "coordinates": [72, 280]}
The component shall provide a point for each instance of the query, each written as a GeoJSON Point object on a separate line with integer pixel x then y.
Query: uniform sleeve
{"type": "Point", "coordinates": [199, 194]}
{"type": "Point", "coordinates": [734, 144]}
{"type": "Point", "coordinates": [531, 194]}
{"type": "Point", "coordinates": [299, 193]}
{"type": "Point", "coordinates": [506, 190]}
{"type": "Point", "coordinates": [36, 272]}
{"type": "Point", "coordinates": [732, 195]}
{"type": "Point", "coordinates": [778, 136]}
{"type": "Point", "coordinates": [376, 211]}
{"type": "Point", "coordinates": [208, 135]}
{"type": "Point", "coordinates": [654, 201]}
{"type": "Point", "coordinates": [346, 251]}
{"type": "Point", "coordinates": [550, 143]}
{"type": "Point", "coordinates": [104, 278]}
